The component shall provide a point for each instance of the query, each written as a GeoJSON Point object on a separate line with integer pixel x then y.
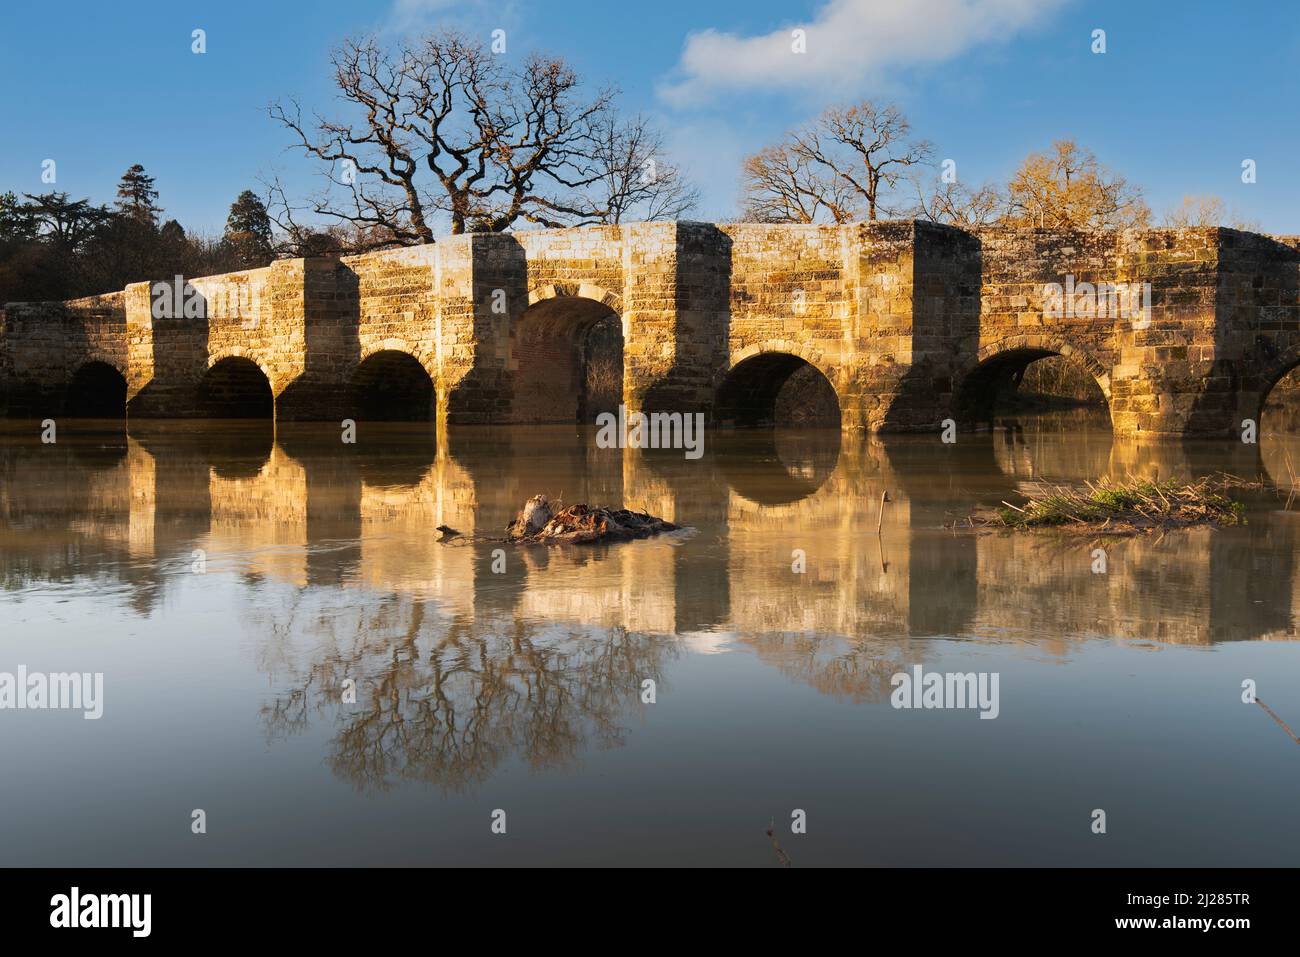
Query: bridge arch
{"type": "Point", "coordinates": [996, 369]}
{"type": "Point", "coordinates": [97, 390]}
{"type": "Point", "coordinates": [582, 290]}
{"type": "Point", "coordinates": [566, 354]}
{"type": "Point", "coordinates": [391, 383]}
{"type": "Point", "coordinates": [1284, 365]}
{"type": "Point", "coordinates": [780, 382]}
{"type": "Point", "coordinates": [235, 386]}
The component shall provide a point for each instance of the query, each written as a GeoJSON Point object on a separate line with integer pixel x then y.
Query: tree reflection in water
{"type": "Point", "coordinates": [448, 700]}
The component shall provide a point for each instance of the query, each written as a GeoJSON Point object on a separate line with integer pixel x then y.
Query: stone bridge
{"type": "Point", "coordinates": [909, 323]}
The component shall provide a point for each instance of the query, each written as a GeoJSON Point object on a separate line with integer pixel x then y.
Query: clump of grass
{"type": "Point", "coordinates": [1125, 506]}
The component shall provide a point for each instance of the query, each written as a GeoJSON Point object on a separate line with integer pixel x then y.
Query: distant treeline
{"type": "Point", "coordinates": [56, 247]}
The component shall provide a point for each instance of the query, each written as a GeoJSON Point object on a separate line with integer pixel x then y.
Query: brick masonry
{"type": "Point", "coordinates": [911, 323]}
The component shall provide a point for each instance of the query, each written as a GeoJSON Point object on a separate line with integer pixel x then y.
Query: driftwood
{"type": "Point", "coordinates": [1273, 714]}
{"type": "Point", "coordinates": [782, 857]}
{"type": "Point", "coordinates": [580, 524]}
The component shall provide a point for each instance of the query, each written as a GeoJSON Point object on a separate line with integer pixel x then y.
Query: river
{"type": "Point", "coordinates": [287, 648]}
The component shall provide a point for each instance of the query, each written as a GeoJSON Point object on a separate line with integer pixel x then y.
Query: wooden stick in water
{"type": "Point", "coordinates": [781, 855]}
{"type": "Point", "coordinates": [1274, 716]}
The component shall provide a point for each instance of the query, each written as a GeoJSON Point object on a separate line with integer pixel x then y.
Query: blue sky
{"type": "Point", "coordinates": [1184, 93]}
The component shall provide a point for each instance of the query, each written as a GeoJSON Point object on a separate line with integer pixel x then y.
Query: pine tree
{"type": "Point", "coordinates": [17, 221]}
{"type": "Point", "coordinates": [248, 230]}
{"type": "Point", "coordinates": [136, 196]}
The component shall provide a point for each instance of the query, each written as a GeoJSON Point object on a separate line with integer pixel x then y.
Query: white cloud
{"type": "Point", "coordinates": [420, 15]}
{"type": "Point", "coordinates": [848, 42]}
{"type": "Point", "coordinates": [408, 11]}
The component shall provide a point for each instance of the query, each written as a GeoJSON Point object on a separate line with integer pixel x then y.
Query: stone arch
{"type": "Point", "coordinates": [565, 360]}
{"type": "Point", "coordinates": [391, 383]}
{"type": "Point", "coordinates": [99, 355]}
{"type": "Point", "coordinates": [977, 383]}
{"type": "Point", "coordinates": [235, 386]}
{"type": "Point", "coordinates": [581, 290]}
{"type": "Point", "coordinates": [420, 354]}
{"type": "Point", "coordinates": [748, 391]}
{"type": "Point", "coordinates": [801, 350]}
{"type": "Point", "coordinates": [249, 355]}
{"type": "Point", "coordinates": [97, 389]}
{"type": "Point", "coordinates": [1252, 404]}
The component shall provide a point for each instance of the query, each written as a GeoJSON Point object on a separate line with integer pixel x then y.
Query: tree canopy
{"type": "Point", "coordinates": [441, 129]}
{"type": "Point", "coordinates": [53, 246]}
{"type": "Point", "coordinates": [860, 161]}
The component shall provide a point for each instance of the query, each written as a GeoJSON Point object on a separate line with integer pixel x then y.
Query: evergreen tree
{"type": "Point", "coordinates": [136, 196]}
{"type": "Point", "coordinates": [67, 223]}
{"type": "Point", "coordinates": [248, 231]}
{"type": "Point", "coordinates": [172, 233]}
{"type": "Point", "coordinates": [17, 220]}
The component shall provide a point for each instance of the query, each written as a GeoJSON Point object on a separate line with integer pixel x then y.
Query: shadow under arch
{"type": "Point", "coordinates": [235, 387]}
{"type": "Point", "coordinates": [567, 355]}
{"type": "Point", "coordinates": [391, 386]}
{"type": "Point", "coordinates": [1276, 412]}
{"type": "Point", "coordinates": [995, 374]}
{"type": "Point", "coordinates": [778, 466]}
{"type": "Point", "coordinates": [774, 387]}
{"type": "Point", "coordinates": [1282, 367]}
{"type": "Point", "coordinates": [97, 390]}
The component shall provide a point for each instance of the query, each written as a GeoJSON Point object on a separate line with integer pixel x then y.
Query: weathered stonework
{"type": "Point", "coordinates": [910, 323]}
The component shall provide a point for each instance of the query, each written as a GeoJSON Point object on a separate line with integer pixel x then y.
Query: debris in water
{"type": "Point", "coordinates": [782, 857]}
{"type": "Point", "coordinates": [537, 523]}
{"type": "Point", "coordinates": [1273, 714]}
{"type": "Point", "coordinates": [1122, 507]}
{"type": "Point", "coordinates": [536, 513]}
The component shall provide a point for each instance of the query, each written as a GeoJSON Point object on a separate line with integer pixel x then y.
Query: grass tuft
{"type": "Point", "coordinates": [1125, 506]}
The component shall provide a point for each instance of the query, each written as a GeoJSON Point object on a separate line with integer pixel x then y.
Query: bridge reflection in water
{"type": "Point", "coordinates": [460, 666]}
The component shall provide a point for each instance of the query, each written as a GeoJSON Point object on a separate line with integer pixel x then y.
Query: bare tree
{"type": "Point", "coordinates": [1206, 210]}
{"type": "Point", "coordinates": [859, 152]}
{"type": "Point", "coordinates": [441, 127]}
{"type": "Point", "coordinates": [867, 147]}
{"type": "Point", "coordinates": [952, 203]}
{"type": "Point", "coordinates": [295, 238]}
{"type": "Point", "coordinates": [780, 185]}
{"type": "Point", "coordinates": [635, 181]}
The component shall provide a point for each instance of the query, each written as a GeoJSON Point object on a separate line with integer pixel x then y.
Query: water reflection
{"type": "Point", "coordinates": [462, 663]}
{"type": "Point", "coordinates": [445, 700]}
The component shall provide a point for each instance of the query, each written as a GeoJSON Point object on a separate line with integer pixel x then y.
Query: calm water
{"type": "Point", "coordinates": [227, 582]}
